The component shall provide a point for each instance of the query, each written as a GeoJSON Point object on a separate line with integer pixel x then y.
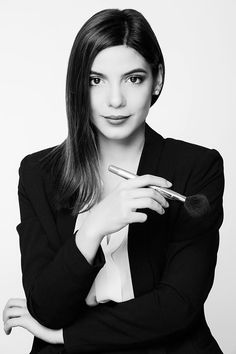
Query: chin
{"type": "Point", "coordinates": [119, 132]}
{"type": "Point", "coordinates": [116, 135]}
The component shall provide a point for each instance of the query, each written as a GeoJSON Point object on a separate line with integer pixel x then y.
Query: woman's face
{"type": "Point", "coordinates": [121, 86]}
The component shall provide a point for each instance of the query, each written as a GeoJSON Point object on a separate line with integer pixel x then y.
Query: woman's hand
{"type": "Point", "coordinates": [16, 314]}
{"type": "Point", "coordinates": [118, 209]}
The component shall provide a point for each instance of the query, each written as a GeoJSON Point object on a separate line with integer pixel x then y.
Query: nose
{"type": "Point", "coordinates": [116, 97]}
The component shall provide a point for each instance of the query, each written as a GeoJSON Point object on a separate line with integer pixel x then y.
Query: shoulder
{"type": "Point", "coordinates": [192, 160]}
{"type": "Point", "coordinates": [176, 154]}
{"type": "Point", "coordinates": [186, 149]}
{"type": "Point", "coordinates": [38, 176]}
{"type": "Point", "coordinates": [194, 168]}
{"type": "Point", "coordinates": [37, 156]}
{"type": "Point", "coordinates": [33, 165]}
{"type": "Point", "coordinates": [186, 154]}
{"type": "Point", "coordinates": [180, 161]}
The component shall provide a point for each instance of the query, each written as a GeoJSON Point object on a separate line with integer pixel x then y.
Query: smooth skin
{"type": "Point", "coordinates": [113, 91]}
{"type": "Point", "coordinates": [16, 314]}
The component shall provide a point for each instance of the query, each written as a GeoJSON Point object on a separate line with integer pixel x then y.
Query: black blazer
{"type": "Point", "coordinates": [172, 260]}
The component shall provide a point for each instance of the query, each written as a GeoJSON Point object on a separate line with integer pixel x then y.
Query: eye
{"type": "Point", "coordinates": [94, 81]}
{"type": "Point", "coordinates": [136, 79]}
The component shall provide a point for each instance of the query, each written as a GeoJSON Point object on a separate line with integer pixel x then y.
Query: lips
{"type": "Point", "coordinates": [116, 117]}
{"type": "Point", "coordinates": [116, 120]}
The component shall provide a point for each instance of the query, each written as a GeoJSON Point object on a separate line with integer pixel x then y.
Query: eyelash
{"type": "Point", "coordinates": [141, 78]}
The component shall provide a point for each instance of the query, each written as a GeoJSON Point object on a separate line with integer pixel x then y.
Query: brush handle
{"type": "Point", "coordinates": [166, 192]}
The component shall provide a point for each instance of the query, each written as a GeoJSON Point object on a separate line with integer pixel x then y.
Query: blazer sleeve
{"type": "Point", "coordinates": [56, 278]}
{"type": "Point", "coordinates": [171, 307]}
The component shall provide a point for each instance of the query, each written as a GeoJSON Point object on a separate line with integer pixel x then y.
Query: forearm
{"type": "Point", "coordinates": [137, 323]}
{"type": "Point", "coordinates": [57, 279]}
{"type": "Point", "coordinates": [57, 294]}
{"type": "Point", "coordinates": [153, 317]}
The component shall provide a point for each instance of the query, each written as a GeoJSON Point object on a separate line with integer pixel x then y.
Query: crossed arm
{"type": "Point", "coordinates": [166, 310]}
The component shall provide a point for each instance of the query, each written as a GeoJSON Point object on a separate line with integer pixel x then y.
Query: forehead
{"type": "Point", "coordinates": [119, 59]}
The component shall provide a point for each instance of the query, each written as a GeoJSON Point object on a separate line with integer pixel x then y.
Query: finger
{"type": "Point", "coordinates": [149, 193]}
{"type": "Point", "coordinates": [7, 331]}
{"type": "Point", "coordinates": [14, 302]}
{"type": "Point", "coordinates": [137, 217]}
{"type": "Point", "coordinates": [149, 203]}
{"type": "Point", "coordinates": [12, 322]}
{"type": "Point", "coordinates": [149, 180]}
{"type": "Point", "coordinates": [12, 312]}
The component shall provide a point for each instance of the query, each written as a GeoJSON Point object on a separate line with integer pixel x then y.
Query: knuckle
{"type": "Point", "coordinates": [5, 313]}
{"type": "Point", "coordinates": [149, 178]}
{"type": "Point", "coordinates": [162, 200]}
{"type": "Point", "coordinates": [152, 203]}
{"type": "Point", "coordinates": [153, 193]}
{"type": "Point", "coordinates": [145, 178]}
{"type": "Point", "coordinates": [156, 195]}
{"type": "Point", "coordinates": [9, 302]}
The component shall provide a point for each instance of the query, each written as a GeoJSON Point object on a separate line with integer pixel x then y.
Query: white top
{"type": "Point", "coordinates": [113, 281]}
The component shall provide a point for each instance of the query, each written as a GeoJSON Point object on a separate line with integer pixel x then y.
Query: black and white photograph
{"type": "Point", "coordinates": [118, 177]}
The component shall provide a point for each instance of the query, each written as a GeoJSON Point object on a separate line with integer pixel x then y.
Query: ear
{"type": "Point", "coordinates": [158, 82]}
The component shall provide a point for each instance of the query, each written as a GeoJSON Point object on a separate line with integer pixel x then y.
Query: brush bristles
{"type": "Point", "coordinates": [197, 205]}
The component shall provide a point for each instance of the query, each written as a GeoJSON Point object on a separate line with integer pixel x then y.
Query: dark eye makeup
{"type": "Point", "coordinates": [96, 79]}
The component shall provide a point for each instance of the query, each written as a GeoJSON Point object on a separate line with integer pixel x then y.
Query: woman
{"type": "Point", "coordinates": [108, 264]}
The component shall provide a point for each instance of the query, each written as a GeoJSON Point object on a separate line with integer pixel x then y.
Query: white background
{"type": "Point", "coordinates": [197, 104]}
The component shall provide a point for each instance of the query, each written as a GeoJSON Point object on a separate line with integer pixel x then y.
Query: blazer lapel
{"type": "Point", "coordinates": [144, 236]}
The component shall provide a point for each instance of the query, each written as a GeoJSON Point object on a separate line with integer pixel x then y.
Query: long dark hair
{"type": "Point", "coordinates": [75, 162]}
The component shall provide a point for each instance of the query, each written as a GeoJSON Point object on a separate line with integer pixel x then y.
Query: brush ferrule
{"type": "Point", "coordinates": [169, 193]}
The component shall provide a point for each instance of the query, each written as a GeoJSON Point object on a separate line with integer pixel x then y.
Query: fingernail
{"type": "Point", "coordinates": [169, 184]}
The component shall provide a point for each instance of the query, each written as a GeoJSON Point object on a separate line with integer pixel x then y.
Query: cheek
{"type": "Point", "coordinates": [141, 99]}
{"type": "Point", "coordinates": [92, 101]}
{"type": "Point", "coordinates": [138, 99]}
{"type": "Point", "coordinates": [96, 98]}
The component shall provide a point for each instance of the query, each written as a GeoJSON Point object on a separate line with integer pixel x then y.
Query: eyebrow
{"type": "Point", "coordinates": [140, 70]}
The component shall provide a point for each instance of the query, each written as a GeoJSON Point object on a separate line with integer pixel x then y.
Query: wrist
{"type": "Point", "coordinates": [87, 242]}
{"type": "Point", "coordinates": [90, 232]}
{"type": "Point", "coordinates": [59, 336]}
{"type": "Point", "coordinates": [52, 336]}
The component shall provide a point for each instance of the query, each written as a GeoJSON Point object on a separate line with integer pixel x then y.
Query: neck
{"type": "Point", "coordinates": [122, 153]}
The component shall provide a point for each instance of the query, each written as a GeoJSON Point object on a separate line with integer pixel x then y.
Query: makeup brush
{"type": "Point", "coordinates": [196, 205]}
